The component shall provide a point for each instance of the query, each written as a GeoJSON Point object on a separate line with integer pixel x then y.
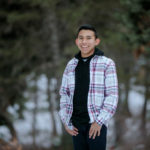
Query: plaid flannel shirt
{"type": "Point", "coordinates": [103, 91]}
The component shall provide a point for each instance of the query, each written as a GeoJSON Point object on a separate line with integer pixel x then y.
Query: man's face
{"type": "Point", "coordinates": [86, 42]}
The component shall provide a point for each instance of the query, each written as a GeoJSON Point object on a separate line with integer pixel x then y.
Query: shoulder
{"type": "Point", "coordinates": [105, 60]}
{"type": "Point", "coordinates": [71, 62]}
{"type": "Point", "coordinates": [105, 63]}
{"type": "Point", "coordinates": [71, 65]}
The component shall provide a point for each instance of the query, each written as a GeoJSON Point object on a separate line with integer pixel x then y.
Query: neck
{"type": "Point", "coordinates": [87, 55]}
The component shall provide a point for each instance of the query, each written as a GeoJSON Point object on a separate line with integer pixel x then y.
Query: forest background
{"type": "Point", "coordinates": [37, 40]}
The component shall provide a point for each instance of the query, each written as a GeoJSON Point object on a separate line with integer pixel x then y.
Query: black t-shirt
{"type": "Point", "coordinates": [82, 79]}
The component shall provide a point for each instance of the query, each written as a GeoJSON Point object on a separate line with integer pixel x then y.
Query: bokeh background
{"type": "Point", "coordinates": [37, 40]}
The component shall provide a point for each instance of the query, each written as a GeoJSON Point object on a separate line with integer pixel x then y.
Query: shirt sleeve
{"type": "Point", "coordinates": [110, 94]}
{"type": "Point", "coordinates": [64, 100]}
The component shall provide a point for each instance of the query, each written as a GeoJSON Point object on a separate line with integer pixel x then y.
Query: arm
{"type": "Point", "coordinates": [110, 94]}
{"type": "Point", "coordinates": [64, 100]}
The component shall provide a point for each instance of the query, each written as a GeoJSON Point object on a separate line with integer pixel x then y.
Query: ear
{"type": "Point", "coordinates": [97, 41]}
{"type": "Point", "coordinates": [76, 41]}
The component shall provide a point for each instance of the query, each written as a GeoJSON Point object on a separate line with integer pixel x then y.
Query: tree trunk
{"type": "Point", "coordinates": [54, 40]}
{"type": "Point", "coordinates": [51, 108]}
{"type": "Point", "coordinates": [127, 89]}
{"type": "Point", "coordinates": [123, 103]}
{"type": "Point", "coordinates": [53, 44]}
{"type": "Point", "coordinates": [51, 29]}
{"type": "Point", "coordinates": [146, 95]}
{"type": "Point", "coordinates": [34, 116]}
{"type": "Point", "coordinates": [4, 120]}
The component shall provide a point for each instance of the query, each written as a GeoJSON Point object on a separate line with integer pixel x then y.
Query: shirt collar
{"type": "Point", "coordinates": [96, 52]}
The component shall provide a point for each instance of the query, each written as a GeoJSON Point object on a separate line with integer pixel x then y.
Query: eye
{"type": "Point", "coordinates": [80, 38]}
{"type": "Point", "coordinates": [88, 38]}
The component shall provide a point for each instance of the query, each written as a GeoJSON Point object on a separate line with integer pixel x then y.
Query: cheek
{"type": "Point", "coordinates": [92, 43]}
{"type": "Point", "coordinates": [80, 43]}
{"type": "Point", "coordinates": [77, 42]}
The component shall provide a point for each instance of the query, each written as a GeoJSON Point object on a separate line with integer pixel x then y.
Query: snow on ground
{"type": "Point", "coordinates": [132, 130]}
{"type": "Point", "coordinates": [5, 133]}
{"type": "Point", "coordinates": [111, 134]}
{"type": "Point", "coordinates": [43, 117]}
{"type": "Point", "coordinates": [136, 102]}
{"type": "Point", "coordinates": [43, 123]}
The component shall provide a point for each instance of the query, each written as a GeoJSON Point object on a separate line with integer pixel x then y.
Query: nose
{"type": "Point", "coordinates": [84, 41]}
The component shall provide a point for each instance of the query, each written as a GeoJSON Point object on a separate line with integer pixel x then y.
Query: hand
{"type": "Point", "coordinates": [94, 130]}
{"type": "Point", "coordinates": [73, 132]}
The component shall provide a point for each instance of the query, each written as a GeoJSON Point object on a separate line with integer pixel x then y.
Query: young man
{"type": "Point", "coordinates": [89, 93]}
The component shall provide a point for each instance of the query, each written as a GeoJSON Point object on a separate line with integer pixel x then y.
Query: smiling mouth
{"type": "Point", "coordinates": [84, 46]}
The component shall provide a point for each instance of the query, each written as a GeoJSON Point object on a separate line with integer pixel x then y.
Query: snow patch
{"type": "Point", "coordinates": [136, 102]}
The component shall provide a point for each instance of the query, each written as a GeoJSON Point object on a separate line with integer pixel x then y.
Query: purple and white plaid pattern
{"type": "Point", "coordinates": [103, 91]}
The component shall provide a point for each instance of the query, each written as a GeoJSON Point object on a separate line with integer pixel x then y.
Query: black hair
{"type": "Point", "coordinates": [87, 27]}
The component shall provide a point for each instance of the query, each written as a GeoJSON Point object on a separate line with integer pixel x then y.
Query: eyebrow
{"type": "Point", "coordinates": [86, 36]}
